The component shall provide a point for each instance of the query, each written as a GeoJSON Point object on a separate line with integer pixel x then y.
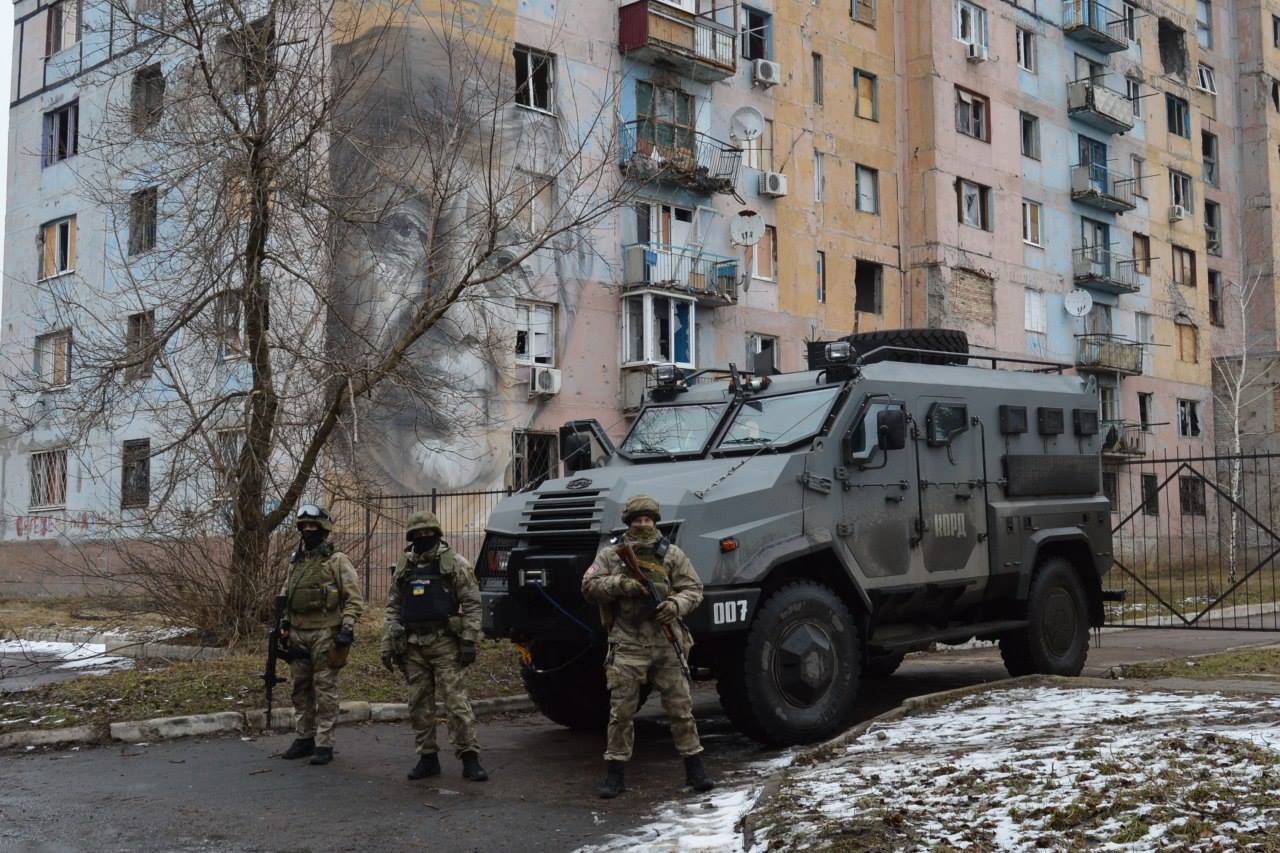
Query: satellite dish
{"type": "Point", "coordinates": [746, 124]}
{"type": "Point", "coordinates": [746, 228]}
{"type": "Point", "coordinates": [1078, 303]}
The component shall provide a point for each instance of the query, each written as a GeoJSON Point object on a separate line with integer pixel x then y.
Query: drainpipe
{"type": "Point", "coordinates": [900, 131]}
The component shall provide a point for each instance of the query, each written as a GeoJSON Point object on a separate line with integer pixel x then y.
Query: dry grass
{"type": "Point", "coordinates": [1261, 663]}
{"type": "Point", "coordinates": [114, 614]}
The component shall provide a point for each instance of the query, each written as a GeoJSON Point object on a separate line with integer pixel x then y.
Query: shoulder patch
{"type": "Point", "coordinates": [592, 569]}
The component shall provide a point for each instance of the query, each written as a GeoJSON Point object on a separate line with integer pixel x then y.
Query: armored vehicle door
{"type": "Point", "coordinates": [952, 502]}
{"type": "Point", "coordinates": [878, 510]}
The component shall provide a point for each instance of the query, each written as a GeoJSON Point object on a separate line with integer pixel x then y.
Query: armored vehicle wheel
{"type": "Point", "coordinates": [798, 678]}
{"type": "Point", "coordinates": [569, 691]}
{"type": "Point", "coordinates": [937, 340]}
{"type": "Point", "coordinates": [883, 666]}
{"type": "Point", "coordinates": [1056, 641]}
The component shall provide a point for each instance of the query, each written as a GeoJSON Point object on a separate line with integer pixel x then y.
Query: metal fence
{"type": "Point", "coordinates": [1195, 542]}
{"type": "Point", "coordinates": [371, 529]}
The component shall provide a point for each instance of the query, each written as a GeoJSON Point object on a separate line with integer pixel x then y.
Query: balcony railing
{"type": "Point", "coordinates": [1094, 24]}
{"type": "Point", "coordinates": [652, 151]}
{"type": "Point", "coordinates": [1108, 354]}
{"type": "Point", "coordinates": [1102, 269]}
{"type": "Point", "coordinates": [1099, 106]}
{"type": "Point", "coordinates": [1104, 188]}
{"type": "Point", "coordinates": [712, 279]}
{"type": "Point", "coordinates": [702, 47]}
{"type": "Point", "coordinates": [1123, 439]}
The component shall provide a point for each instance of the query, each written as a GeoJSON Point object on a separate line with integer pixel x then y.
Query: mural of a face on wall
{"type": "Point", "coordinates": [438, 422]}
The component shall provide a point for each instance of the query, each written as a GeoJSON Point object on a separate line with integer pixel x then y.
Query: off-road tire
{"type": "Point", "coordinates": [576, 696]}
{"type": "Point", "coordinates": [765, 692]}
{"type": "Point", "coordinates": [883, 665]}
{"type": "Point", "coordinates": [936, 340]}
{"type": "Point", "coordinates": [1056, 640]}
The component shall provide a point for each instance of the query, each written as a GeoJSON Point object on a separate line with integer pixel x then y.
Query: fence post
{"type": "Point", "coordinates": [368, 547]}
{"type": "Point", "coordinates": [433, 498]}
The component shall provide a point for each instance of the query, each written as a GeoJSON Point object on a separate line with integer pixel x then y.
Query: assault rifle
{"type": "Point", "coordinates": [632, 566]}
{"type": "Point", "coordinates": [277, 649]}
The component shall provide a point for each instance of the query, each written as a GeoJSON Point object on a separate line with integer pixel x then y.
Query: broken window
{"type": "Point", "coordinates": [972, 112]}
{"type": "Point", "coordinates": [1173, 48]}
{"type": "Point", "coordinates": [535, 333]}
{"type": "Point", "coordinates": [1180, 191]}
{"type": "Point", "coordinates": [974, 203]}
{"type": "Point", "coordinates": [1212, 227]}
{"type": "Point", "coordinates": [868, 287]}
{"type": "Point", "coordinates": [1178, 115]}
{"type": "Point", "coordinates": [1189, 418]}
{"type": "Point", "coordinates": [755, 33]}
{"type": "Point", "coordinates": [61, 133]}
{"type": "Point", "coordinates": [57, 247]}
{"type": "Point", "coordinates": [535, 83]}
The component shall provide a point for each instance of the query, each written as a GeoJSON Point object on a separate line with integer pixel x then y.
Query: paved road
{"type": "Point", "coordinates": [234, 795]}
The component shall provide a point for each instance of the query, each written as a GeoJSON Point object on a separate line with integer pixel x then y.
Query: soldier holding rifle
{"type": "Point", "coordinates": [644, 585]}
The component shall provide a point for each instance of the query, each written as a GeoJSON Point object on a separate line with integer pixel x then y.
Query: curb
{"type": "Point", "coordinates": [225, 722]}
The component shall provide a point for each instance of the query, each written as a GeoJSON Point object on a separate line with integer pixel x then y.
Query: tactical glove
{"type": "Point", "coordinates": [632, 588]}
{"type": "Point", "coordinates": [346, 636]}
{"type": "Point", "coordinates": [667, 612]}
{"type": "Point", "coordinates": [466, 652]}
{"type": "Point", "coordinates": [389, 661]}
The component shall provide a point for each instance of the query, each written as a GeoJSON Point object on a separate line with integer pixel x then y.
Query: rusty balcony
{"type": "Point", "coordinates": [1108, 354]}
{"type": "Point", "coordinates": [664, 153]}
{"type": "Point", "coordinates": [1123, 440]}
{"type": "Point", "coordinates": [1098, 186]}
{"type": "Point", "coordinates": [1101, 269]}
{"type": "Point", "coordinates": [709, 278]}
{"type": "Point", "coordinates": [1099, 106]}
{"type": "Point", "coordinates": [1094, 24]}
{"type": "Point", "coordinates": [703, 47]}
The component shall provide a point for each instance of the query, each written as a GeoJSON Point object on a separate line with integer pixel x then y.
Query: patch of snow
{"type": "Point", "coordinates": [73, 655]}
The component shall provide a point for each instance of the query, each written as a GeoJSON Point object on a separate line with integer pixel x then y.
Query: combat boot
{"type": "Point", "coordinates": [300, 748]}
{"type": "Point", "coordinates": [613, 784]}
{"type": "Point", "coordinates": [695, 774]}
{"type": "Point", "coordinates": [428, 765]}
{"type": "Point", "coordinates": [471, 768]}
{"type": "Point", "coordinates": [324, 754]}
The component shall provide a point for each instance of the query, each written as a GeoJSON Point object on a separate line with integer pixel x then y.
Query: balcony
{"type": "Point", "coordinates": [701, 47]}
{"type": "Point", "coordinates": [711, 279]}
{"type": "Point", "coordinates": [1108, 354]}
{"type": "Point", "coordinates": [1092, 23]}
{"type": "Point", "coordinates": [1098, 186]}
{"type": "Point", "coordinates": [1098, 106]}
{"type": "Point", "coordinates": [653, 151]}
{"type": "Point", "coordinates": [1122, 440]}
{"type": "Point", "coordinates": [1101, 269]}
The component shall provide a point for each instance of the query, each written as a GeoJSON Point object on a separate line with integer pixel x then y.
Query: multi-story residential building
{"type": "Point", "coordinates": [981, 164]}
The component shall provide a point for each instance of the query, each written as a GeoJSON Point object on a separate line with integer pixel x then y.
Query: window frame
{"type": "Point", "coordinates": [650, 125]}
{"type": "Point", "coordinates": [1133, 91]}
{"type": "Point", "coordinates": [1138, 165]}
{"type": "Point", "coordinates": [56, 498]}
{"type": "Point", "coordinates": [770, 234]}
{"type": "Point", "coordinates": [143, 220]}
{"type": "Point", "coordinates": [63, 251]}
{"type": "Point", "coordinates": [140, 336]}
{"type": "Point", "coordinates": [1204, 28]}
{"type": "Point", "coordinates": [1030, 207]}
{"type": "Point", "coordinates": [977, 109]}
{"type": "Point", "coordinates": [1029, 120]}
{"type": "Point", "coordinates": [1189, 425]}
{"type": "Point", "coordinates": [1212, 228]}
{"type": "Point", "coordinates": [57, 376]}
{"type": "Point", "coordinates": [978, 19]}
{"type": "Point", "coordinates": [1216, 315]}
{"type": "Point", "coordinates": [522, 475]}
{"type": "Point", "coordinates": [1191, 495]}
{"type": "Point", "coordinates": [820, 265]}
{"type": "Point", "coordinates": [860, 172]}
{"type": "Point", "coordinates": [648, 334]}
{"type": "Point", "coordinates": [146, 97]}
{"type": "Point", "coordinates": [1210, 157]}
{"type": "Point", "coordinates": [1182, 264]}
{"type": "Point", "coordinates": [818, 94]}
{"type": "Point", "coordinates": [859, 75]}
{"type": "Point", "coordinates": [762, 32]}
{"type": "Point", "coordinates": [1181, 190]}
{"type": "Point", "coordinates": [524, 324]}
{"type": "Point", "coordinates": [134, 495]}
{"type": "Point", "coordinates": [1149, 486]}
{"type": "Point", "coordinates": [755, 342]}
{"type": "Point", "coordinates": [867, 18]}
{"type": "Point", "coordinates": [1142, 262]}
{"type": "Point", "coordinates": [984, 201]}
{"type": "Point", "coordinates": [875, 272]}
{"type": "Point", "coordinates": [530, 71]}
{"type": "Point", "coordinates": [1026, 49]}
{"type": "Point", "coordinates": [1188, 340]}
{"type": "Point", "coordinates": [819, 176]}
{"type": "Point", "coordinates": [57, 147]}
{"type": "Point", "coordinates": [59, 33]}
{"type": "Point", "coordinates": [1176, 108]}
{"type": "Point", "coordinates": [1034, 311]}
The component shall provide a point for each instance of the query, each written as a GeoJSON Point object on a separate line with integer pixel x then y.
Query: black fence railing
{"type": "Point", "coordinates": [1196, 540]}
{"type": "Point", "coordinates": [371, 530]}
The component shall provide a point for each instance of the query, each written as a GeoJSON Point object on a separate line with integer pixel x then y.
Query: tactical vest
{"type": "Point", "coordinates": [651, 559]}
{"type": "Point", "coordinates": [426, 597]}
{"type": "Point", "coordinates": [314, 593]}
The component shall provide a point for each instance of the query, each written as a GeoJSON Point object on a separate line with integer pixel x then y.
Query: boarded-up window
{"type": "Point", "coordinates": [1188, 340]}
{"type": "Point", "coordinates": [764, 256]}
{"type": "Point", "coordinates": [53, 358]}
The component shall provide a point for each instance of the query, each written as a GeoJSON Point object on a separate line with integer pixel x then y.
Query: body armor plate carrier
{"type": "Point", "coordinates": [426, 601]}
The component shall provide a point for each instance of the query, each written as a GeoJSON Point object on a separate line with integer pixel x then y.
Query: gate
{"type": "Point", "coordinates": [1195, 542]}
{"type": "Point", "coordinates": [371, 530]}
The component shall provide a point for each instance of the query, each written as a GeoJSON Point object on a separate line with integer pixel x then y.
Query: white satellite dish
{"type": "Point", "coordinates": [1078, 303]}
{"type": "Point", "coordinates": [746, 124]}
{"type": "Point", "coordinates": [746, 228]}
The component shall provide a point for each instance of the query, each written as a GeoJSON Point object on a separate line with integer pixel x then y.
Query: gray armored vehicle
{"type": "Point", "coordinates": [900, 494]}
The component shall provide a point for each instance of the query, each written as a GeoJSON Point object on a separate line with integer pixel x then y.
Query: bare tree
{"type": "Point", "coordinates": [317, 215]}
{"type": "Point", "coordinates": [1241, 381]}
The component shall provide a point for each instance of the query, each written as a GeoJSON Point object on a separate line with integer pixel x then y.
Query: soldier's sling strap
{"type": "Point", "coordinates": [632, 566]}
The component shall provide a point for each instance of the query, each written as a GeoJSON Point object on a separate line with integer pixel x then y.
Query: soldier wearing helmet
{"type": "Point", "coordinates": [639, 652]}
{"type": "Point", "coordinates": [322, 604]}
{"type": "Point", "coordinates": [432, 626]}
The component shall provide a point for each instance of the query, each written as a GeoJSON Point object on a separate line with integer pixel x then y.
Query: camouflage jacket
{"type": "Point", "coordinates": [633, 620]}
{"type": "Point", "coordinates": [322, 590]}
{"type": "Point", "coordinates": [461, 581]}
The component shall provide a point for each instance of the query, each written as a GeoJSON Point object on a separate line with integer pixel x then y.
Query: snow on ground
{"type": "Point", "coordinates": [1045, 768]}
{"type": "Point", "coordinates": [74, 655]}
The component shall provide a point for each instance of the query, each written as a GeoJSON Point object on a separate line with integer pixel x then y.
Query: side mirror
{"type": "Point", "coordinates": [891, 429]}
{"type": "Point", "coordinates": [575, 452]}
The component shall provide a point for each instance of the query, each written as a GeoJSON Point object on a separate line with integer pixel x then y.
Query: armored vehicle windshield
{"type": "Point", "coordinates": [779, 421]}
{"type": "Point", "coordinates": [665, 431]}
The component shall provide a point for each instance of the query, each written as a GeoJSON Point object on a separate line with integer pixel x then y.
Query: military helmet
{"type": "Point", "coordinates": [640, 505]}
{"type": "Point", "coordinates": [315, 515]}
{"type": "Point", "coordinates": [423, 520]}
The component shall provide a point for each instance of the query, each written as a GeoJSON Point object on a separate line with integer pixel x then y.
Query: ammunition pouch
{"type": "Point", "coordinates": [316, 599]}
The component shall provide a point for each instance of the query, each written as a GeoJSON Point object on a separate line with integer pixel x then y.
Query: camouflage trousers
{"type": "Point", "coordinates": [431, 665]}
{"type": "Point", "coordinates": [628, 668]}
{"type": "Point", "coordinates": [315, 684]}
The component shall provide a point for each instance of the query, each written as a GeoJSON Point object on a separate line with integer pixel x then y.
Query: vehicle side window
{"type": "Point", "coordinates": [945, 421]}
{"type": "Point", "coordinates": [863, 440]}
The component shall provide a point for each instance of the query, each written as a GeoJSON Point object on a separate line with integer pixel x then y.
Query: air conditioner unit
{"type": "Point", "coordinates": [766, 73]}
{"type": "Point", "coordinates": [977, 52]}
{"type": "Point", "coordinates": [773, 184]}
{"type": "Point", "coordinates": [1177, 213]}
{"type": "Point", "coordinates": [544, 381]}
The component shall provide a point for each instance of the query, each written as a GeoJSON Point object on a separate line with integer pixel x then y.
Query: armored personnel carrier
{"type": "Point", "coordinates": [900, 493]}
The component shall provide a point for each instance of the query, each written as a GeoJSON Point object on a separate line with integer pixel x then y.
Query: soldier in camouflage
{"type": "Point", "coordinates": [432, 626]}
{"type": "Point", "coordinates": [322, 604]}
{"type": "Point", "coordinates": [639, 651]}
